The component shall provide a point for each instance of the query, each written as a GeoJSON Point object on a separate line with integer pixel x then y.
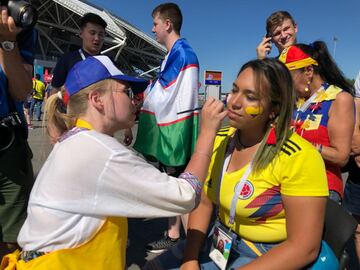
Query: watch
{"type": "Point", "coordinates": [8, 45]}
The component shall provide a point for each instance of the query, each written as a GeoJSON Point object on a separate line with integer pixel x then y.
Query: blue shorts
{"type": "Point", "coordinates": [241, 254]}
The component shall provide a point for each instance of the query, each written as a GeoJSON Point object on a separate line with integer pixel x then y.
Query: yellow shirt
{"type": "Point", "coordinates": [39, 88]}
{"type": "Point", "coordinates": [298, 170]}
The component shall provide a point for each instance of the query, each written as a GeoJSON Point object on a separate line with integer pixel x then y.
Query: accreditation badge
{"type": "Point", "coordinates": [221, 245]}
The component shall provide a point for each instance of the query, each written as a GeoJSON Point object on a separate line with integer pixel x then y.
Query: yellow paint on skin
{"type": "Point", "coordinates": [253, 110]}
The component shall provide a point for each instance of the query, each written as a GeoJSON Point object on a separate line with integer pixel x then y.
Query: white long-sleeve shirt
{"type": "Point", "coordinates": [88, 177]}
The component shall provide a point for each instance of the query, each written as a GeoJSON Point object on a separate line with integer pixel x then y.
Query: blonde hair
{"type": "Point", "coordinates": [63, 117]}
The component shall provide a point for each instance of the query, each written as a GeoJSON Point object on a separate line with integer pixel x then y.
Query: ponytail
{"type": "Point", "coordinates": [327, 68]}
{"type": "Point", "coordinates": [58, 121]}
{"type": "Point", "coordinates": [62, 116]}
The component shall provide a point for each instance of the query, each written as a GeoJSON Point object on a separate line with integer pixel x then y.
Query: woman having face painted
{"type": "Point", "coordinates": [259, 171]}
{"type": "Point", "coordinates": [324, 113]}
{"type": "Point", "coordinates": [90, 183]}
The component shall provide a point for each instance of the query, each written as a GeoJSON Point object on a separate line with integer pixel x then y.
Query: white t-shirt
{"type": "Point", "coordinates": [88, 177]}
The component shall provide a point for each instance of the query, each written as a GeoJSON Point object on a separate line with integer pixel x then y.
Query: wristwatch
{"type": "Point", "coordinates": [8, 45]}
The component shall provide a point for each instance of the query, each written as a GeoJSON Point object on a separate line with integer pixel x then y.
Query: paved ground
{"type": "Point", "coordinates": [141, 231]}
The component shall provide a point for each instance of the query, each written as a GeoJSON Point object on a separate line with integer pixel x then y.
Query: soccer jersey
{"type": "Point", "coordinates": [298, 170]}
{"type": "Point", "coordinates": [312, 125]}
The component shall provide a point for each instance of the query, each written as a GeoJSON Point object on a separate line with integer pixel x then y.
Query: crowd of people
{"type": "Point", "coordinates": [250, 195]}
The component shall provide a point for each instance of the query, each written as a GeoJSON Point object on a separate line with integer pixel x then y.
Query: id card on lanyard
{"type": "Point", "coordinates": [223, 236]}
{"type": "Point", "coordinates": [221, 244]}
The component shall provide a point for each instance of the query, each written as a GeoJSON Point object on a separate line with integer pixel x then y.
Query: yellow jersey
{"type": "Point", "coordinates": [297, 170]}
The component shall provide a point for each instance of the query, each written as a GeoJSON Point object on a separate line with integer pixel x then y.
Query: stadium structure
{"type": "Point", "coordinates": [132, 50]}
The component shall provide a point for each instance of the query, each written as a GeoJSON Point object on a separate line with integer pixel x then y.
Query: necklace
{"type": "Point", "coordinates": [238, 143]}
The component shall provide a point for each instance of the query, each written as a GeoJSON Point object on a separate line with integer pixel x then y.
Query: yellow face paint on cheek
{"type": "Point", "coordinates": [254, 110]}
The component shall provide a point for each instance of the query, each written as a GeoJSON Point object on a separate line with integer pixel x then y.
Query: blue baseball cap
{"type": "Point", "coordinates": [97, 68]}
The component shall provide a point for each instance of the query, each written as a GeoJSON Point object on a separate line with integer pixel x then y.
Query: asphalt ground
{"type": "Point", "coordinates": [141, 231]}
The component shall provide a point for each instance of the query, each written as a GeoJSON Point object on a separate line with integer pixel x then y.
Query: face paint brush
{"type": "Point", "coordinates": [199, 108]}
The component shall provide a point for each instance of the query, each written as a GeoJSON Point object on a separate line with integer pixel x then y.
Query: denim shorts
{"type": "Point", "coordinates": [335, 196]}
{"type": "Point", "coordinates": [242, 252]}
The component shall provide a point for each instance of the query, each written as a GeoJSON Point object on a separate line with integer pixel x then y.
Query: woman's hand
{"type": "Point", "coordinates": [212, 115]}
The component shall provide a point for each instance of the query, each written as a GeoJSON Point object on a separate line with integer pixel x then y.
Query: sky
{"type": "Point", "coordinates": [224, 34]}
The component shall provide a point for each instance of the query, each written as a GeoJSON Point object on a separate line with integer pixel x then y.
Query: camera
{"type": "Point", "coordinates": [7, 137]}
{"type": "Point", "coordinates": [7, 134]}
{"type": "Point", "coordinates": [23, 13]}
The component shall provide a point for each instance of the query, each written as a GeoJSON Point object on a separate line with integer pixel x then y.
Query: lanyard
{"type": "Point", "coordinates": [82, 54]}
{"type": "Point", "coordinates": [80, 123]}
{"type": "Point", "coordinates": [239, 185]}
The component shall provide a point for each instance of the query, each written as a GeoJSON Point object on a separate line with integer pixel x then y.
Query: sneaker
{"type": "Point", "coordinates": [30, 126]}
{"type": "Point", "coordinates": [161, 245]}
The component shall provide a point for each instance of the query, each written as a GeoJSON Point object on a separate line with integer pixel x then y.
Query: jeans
{"type": "Point", "coordinates": [334, 196]}
{"type": "Point", "coordinates": [240, 255]}
{"type": "Point", "coordinates": [35, 107]}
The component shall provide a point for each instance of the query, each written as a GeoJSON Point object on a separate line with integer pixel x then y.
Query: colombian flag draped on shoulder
{"type": "Point", "coordinates": [162, 133]}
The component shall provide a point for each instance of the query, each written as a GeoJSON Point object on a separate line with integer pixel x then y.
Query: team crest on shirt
{"type": "Point", "coordinates": [247, 191]}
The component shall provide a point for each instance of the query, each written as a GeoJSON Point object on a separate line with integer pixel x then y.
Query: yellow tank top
{"type": "Point", "coordinates": [105, 250]}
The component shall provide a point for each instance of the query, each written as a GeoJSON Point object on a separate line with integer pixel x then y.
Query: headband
{"type": "Point", "coordinates": [294, 58]}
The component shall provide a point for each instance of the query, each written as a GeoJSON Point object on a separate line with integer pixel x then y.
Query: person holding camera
{"type": "Point", "coordinates": [16, 174]}
{"type": "Point", "coordinates": [281, 30]}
